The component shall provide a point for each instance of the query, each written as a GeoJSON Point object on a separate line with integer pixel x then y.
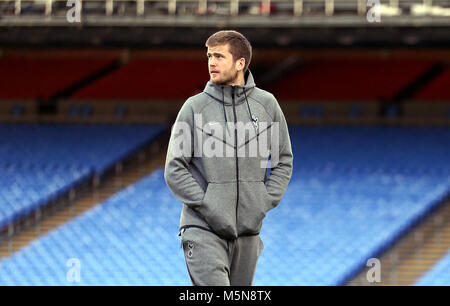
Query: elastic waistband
{"type": "Point", "coordinates": [183, 228]}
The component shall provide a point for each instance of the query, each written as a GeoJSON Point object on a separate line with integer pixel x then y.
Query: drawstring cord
{"type": "Point", "coordinates": [223, 104]}
{"type": "Point", "coordinates": [224, 112]}
{"type": "Point", "coordinates": [252, 119]}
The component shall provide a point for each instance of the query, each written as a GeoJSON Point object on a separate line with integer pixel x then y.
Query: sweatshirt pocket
{"type": "Point", "coordinates": [219, 208]}
{"type": "Point", "coordinates": [254, 202]}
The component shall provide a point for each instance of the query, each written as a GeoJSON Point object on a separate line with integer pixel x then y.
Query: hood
{"type": "Point", "coordinates": [222, 93]}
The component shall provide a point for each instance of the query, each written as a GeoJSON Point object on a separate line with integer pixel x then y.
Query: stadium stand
{"type": "Point", "coordinates": [329, 88]}
{"type": "Point", "coordinates": [103, 245]}
{"type": "Point", "coordinates": [413, 254]}
{"type": "Point", "coordinates": [352, 198]}
{"type": "Point", "coordinates": [347, 202]}
{"type": "Point", "coordinates": [26, 187]}
{"type": "Point", "coordinates": [43, 162]}
{"type": "Point", "coordinates": [356, 193]}
{"type": "Point", "coordinates": [151, 79]}
{"type": "Point", "coordinates": [437, 89]}
{"type": "Point", "coordinates": [438, 275]}
{"type": "Point", "coordinates": [347, 80]}
{"type": "Point", "coordinates": [32, 78]}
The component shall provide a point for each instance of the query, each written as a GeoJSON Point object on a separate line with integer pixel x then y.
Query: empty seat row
{"type": "Point", "coordinates": [42, 78]}
{"type": "Point", "coordinates": [39, 163]}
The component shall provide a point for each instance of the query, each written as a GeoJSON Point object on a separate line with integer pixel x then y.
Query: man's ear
{"type": "Point", "coordinates": [240, 64]}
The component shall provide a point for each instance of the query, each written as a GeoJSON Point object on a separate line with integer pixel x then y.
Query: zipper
{"type": "Point", "coordinates": [236, 153]}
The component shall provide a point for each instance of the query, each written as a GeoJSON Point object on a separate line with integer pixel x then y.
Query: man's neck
{"type": "Point", "coordinates": [239, 81]}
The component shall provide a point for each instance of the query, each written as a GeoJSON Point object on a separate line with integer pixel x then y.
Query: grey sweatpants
{"type": "Point", "coordinates": [213, 261]}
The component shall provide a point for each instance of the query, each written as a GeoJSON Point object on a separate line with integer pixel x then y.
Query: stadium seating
{"type": "Point", "coordinates": [348, 80]}
{"type": "Point", "coordinates": [438, 275]}
{"type": "Point", "coordinates": [354, 190]}
{"type": "Point", "coordinates": [128, 239]}
{"type": "Point", "coordinates": [33, 78]}
{"type": "Point", "coordinates": [152, 79]}
{"type": "Point", "coordinates": [437, 89]}
{"type": "Point", "coordinates": [41, 162]}
{"type": "Point", "coordinates": [26, 187]}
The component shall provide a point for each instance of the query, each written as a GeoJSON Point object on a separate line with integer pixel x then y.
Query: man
{"type": "Point", "coordinates": [212, 168]}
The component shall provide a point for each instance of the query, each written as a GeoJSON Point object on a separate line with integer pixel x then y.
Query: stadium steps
{"type": "Point", "coordinates": [420, 82]}
{"type": "Point", "coordinates": [276, 71]}
{"type": "Point", "coordinates": [415, 253]}
{"type": "Point", "coordinates": [87, 80]}
{"type": "Point", "coordinates": [57, 214]}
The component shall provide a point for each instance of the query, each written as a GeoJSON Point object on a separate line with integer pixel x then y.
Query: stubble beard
{"type": "Point", "coordinates": [231, 79]}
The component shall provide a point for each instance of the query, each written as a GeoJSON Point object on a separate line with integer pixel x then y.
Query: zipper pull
{"type": "Point", "coordinates": [179, 234]}
{"type": "Point", "coordinates": [181, 231]}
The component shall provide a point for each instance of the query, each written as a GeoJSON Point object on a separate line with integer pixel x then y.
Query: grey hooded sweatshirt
{"type": "Point", "coordinates": [228, 193]}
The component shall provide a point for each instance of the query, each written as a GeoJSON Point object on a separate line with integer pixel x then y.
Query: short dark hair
{"type": "Point", "coordinates": [239, 45]}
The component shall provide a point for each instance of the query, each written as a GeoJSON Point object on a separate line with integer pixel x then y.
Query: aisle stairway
{"type": "Point", "coordinates": [416, 253]}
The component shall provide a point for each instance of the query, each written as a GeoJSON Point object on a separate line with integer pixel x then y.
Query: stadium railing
{"type": "Point", "coordinates": [419, 8]}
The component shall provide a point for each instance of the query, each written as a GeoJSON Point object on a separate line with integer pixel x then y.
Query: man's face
{"type": "Point", "coordinates": [222, 67]}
